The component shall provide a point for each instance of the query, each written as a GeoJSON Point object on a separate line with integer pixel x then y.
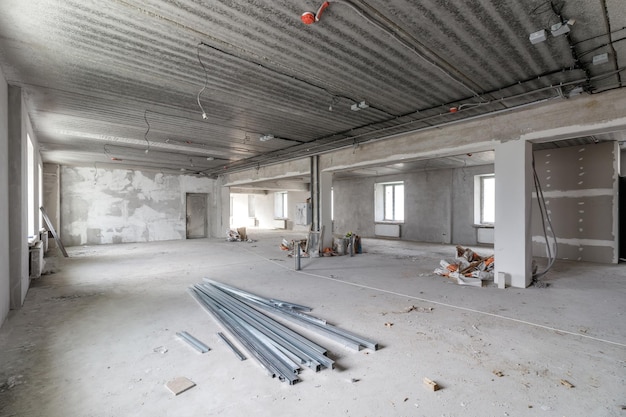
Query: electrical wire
{"type": "Point", "coordinates": [145, 136]}
{"type": "Point", "coordinates": [206, 81]}
{"type": "Point", "coordinates": [293, 77]}
{"type": "Point", "coordinates": [601, 46]}
{"type": "Point", "coordinates": [600, 36]}
{"type": "Point", "coordinates": [545, 220]}
{"type": "Point", "coordinates": [396, 36]}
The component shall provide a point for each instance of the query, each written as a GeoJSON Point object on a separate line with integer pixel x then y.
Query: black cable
{"type": "Point", "coordinates": [206, 80]}
{"type": "Point", "coordinates": [545, 219]}
{"type": "Point", "coordinates": [293, 77]}
{"type": "Point", "coordinates": [145, 135]}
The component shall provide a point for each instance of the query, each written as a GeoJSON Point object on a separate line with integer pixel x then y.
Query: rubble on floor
{"type": "Point", "coordinates": [238, 235]}
{"type": "Point", "coordinates": [467, 268]}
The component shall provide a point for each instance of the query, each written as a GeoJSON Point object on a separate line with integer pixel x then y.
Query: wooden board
{"type": "Point", "coordinates": [54, 233]}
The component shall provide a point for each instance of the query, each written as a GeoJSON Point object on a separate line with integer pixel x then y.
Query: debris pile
{"type": "Point", "coordinates": [468, 268]}
{"type": "Point", "coordinates": [237, 235]}
{"type": "Point", "coordinates": [280, 350]}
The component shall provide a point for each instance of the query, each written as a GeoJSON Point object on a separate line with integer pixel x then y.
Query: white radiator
{"type": "Point", "coordinates": [387, 230]}
{"type": "Point", "coordinates": [279, 223]}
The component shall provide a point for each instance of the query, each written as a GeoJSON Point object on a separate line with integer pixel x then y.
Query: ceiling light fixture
{"type": "Point", "coordinates": [265, 138]}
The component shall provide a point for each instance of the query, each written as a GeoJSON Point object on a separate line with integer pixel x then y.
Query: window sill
{"type": "Point", "coordinates": [483, 226]}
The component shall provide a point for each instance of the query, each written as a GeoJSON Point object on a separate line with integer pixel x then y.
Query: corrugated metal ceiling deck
{"type": "Point", "coordinates": [127, 74]}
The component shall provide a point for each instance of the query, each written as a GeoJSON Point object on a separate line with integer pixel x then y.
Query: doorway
{"type": "Point", "coordinates": [197, 215]}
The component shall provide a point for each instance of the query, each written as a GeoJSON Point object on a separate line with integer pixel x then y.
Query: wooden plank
{"type": "Point", "coordinates": [54, 233]}
{"type": "Point", "coordinates": [431, 385]}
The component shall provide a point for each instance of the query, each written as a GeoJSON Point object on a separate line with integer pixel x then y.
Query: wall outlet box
{"type": "Point", "coordinates": [537, 37]}
{"type": "Point", "coordinates": [559, 29]}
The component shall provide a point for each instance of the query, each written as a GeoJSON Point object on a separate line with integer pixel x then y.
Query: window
{"type": "Point", "coordinates": [32, 223]}
{"type": "Point", "coordinates": [280, 205]}
{"type": "Point", "coordinates": [389, 202]}
{"type": "Point", "coordinates": [485, 199]}
{"type": "Point", "coordinates": [251, 206]}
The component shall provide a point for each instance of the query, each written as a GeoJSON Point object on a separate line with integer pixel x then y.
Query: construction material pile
{"type": "Point", "coordinates": [467, 268]}
{"type": "Point", "coordinates": [280, 350]}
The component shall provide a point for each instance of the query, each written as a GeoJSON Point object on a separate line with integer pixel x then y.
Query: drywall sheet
{"type": "Point", "coordinates": [580, 187]}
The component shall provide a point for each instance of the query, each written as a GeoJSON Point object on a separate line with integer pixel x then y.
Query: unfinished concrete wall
{"type": "Point", "coordinates": [18, 197]}
{"type": "Point", "coordinates": [580, 184]}
{"type": "Point", "coordinates": [5, 282]}
{"type": "Point", "coordinates": [353, 206]}
{"type": "Point", "coordinates": [439, 205]}
{"type": "Point", "coordinates": [464, 231]}
{"type": "Point", "coordinates": [102, 206]}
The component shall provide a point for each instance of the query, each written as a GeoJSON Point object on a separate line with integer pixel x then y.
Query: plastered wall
{"type": "Point", "coordinates": [439, 205]}
{"type": "Point", "coordinates": [580, 185]}
{"type": "Point", "coordinates": [103, 206]}
{"type": "Point", "coordinates": [5, 283]}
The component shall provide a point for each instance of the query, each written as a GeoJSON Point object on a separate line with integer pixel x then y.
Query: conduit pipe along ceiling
{"type": "Point", "coordinates": [166, 85]}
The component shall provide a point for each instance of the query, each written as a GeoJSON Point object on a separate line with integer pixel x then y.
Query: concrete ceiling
{"type": "Point", "coordinates": [126, 82]}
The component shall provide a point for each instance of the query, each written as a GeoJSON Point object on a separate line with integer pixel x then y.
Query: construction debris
{"type": "Point", "coordinates": [431, 385]}
{"type": "Point", "coordinates": [193, 342]}
{"type": "Point", "coordinates": [567, 383]}
{"type": "Point", "coordinates": [467, 268]}
{"type": "Point", "coordinates": [238, 235]}
{"type": "Point", "coordinates": [179, 385]}
{"type": "Point", "coordinates": [280, 350]}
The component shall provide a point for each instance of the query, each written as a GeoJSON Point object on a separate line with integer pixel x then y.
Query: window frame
{"type": "Point", "coordinates": [480, 199]}
{"type": "Point", "coordinates": [382, 214]}
{"type": "Point", "coordinates": [284, 207]}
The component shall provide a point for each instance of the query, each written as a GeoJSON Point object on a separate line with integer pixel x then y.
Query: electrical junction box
{"type": "Point", "coordinates": [537, 37]}
{"type": "Point", "coordinates": [559, 29]}
{"type": "Point", "coordinates": [601, 59]}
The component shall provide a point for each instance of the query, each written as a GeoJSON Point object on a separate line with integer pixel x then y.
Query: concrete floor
{"type": "Point", "coordinates": [97, 337]}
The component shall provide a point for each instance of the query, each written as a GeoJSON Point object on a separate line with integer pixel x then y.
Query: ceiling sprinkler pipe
{"type": "Point", "coordinates": [310, 17]}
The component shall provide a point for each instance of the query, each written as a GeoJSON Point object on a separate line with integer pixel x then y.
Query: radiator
{"type": "Point", "coordinates": [387, 230]}
{"type": "Point", "coordinates": [279, 223]}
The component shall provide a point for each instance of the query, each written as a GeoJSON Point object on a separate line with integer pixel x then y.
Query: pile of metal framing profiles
{"type": "Point", "coordinates": [280, 350]}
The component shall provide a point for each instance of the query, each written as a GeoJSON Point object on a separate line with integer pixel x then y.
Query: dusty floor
{"type": "Point", "coordinates": [97, 338]}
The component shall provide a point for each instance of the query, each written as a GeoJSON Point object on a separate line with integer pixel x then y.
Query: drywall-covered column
{"type": "Point", "coordinates": [18, 199]}
{"type": "Point", "coordinates": [513, 252]}
{"type": "Point", "coordinates": [5, 281]}
{"type": "Point", "coordinates": [325, 203]}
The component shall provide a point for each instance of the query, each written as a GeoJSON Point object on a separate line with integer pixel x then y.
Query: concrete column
{"type": "Point", "coordinates": [513, 250]}
{"type": "Point", "coordinates": [5, 280]}
{"type": "Point", "coordinates": [321, 198]}
{"type": "Point", "coordinates": [18, 200]}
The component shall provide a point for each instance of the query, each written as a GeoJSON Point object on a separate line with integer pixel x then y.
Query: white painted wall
{"type": "Point", "coordinates": [102, 206]}
{"type": "Point", "coordinates": [4, 203]}
{"type": "Point", "coordinates": [264, 210]}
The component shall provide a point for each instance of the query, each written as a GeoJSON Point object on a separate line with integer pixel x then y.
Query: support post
{"type": "Point", "coordinates": [513, 246]}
